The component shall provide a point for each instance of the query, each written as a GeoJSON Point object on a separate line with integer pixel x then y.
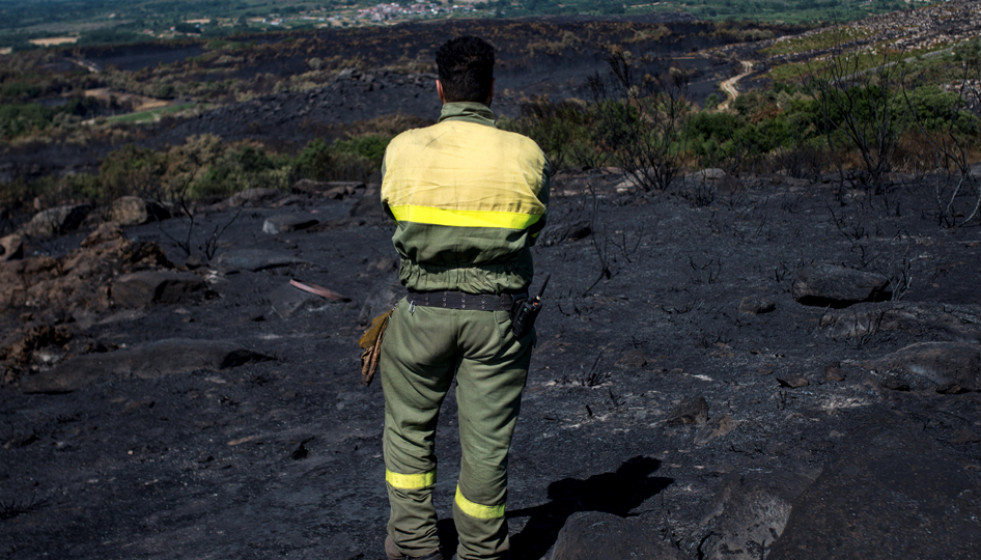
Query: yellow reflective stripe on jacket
{"type": "Point", "coordinates": [410, 481]}
{"type": "Point", "coordinates": [463, 218]}
{"type": "Point", "coordinates": [477, 510]}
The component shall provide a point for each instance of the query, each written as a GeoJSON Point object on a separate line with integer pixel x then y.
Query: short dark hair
{"type": "Point", "coordinates": [466, 69]}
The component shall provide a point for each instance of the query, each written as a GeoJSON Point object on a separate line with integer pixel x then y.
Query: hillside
{"type": "Point", "coordinates": [761, 336]}
{"type": "Point", "coordinates": [76, 104]}
{"type": "Point", "coordinates": [27, 24]}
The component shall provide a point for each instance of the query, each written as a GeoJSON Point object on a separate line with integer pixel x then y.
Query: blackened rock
{"type": "Point", "coordinates": [559, 233]}
{"type": "Point", "coordinates": [829, 285]}
{"type": "Point", "coordinates": [707, 174]}
{"type": "Point", "coordinates": [717, 427]}
{"type": "Point", "coordinates": [748, 513]}
{"type": "Point", "coordinates": [369, 205]}
{"type": "Point", "coordinates": [833, 372]}
{"type": "Point", "coordinates": [147, 361]}
{"type": "Point", "coordinates": [57, 220]}
{"type": "Point", "coordinates": [282, 223]}
{"type": "Point", "coordinates": [336, 190]}
{"type": "Point", "coordinates": [148, 287]}
{"type": "Point", "coordinates": [593, 535]}
{"type": "Point", "coordinates": [792, 381]}
{"type": "Point", "coordinates": [893, 492]}
{"type": "Point", "coordinates": [756, 305]}
{"type": "Point", "coordinates": [689, 411]}
{"type": "Point", "coordinates": [300, 452]}
{"type": "Point", "coordinates": [943, 321]}
{"type": "Point", "coordinates": [254, 260]}
{"type": "Point", "coordinates": [933, 365]}
{"type": "Point", "coordinates": [632, 359]}
{"type": "Point", "coordinates": [382, 297]}
{"type": "Point", "coordinates": [19, 346]}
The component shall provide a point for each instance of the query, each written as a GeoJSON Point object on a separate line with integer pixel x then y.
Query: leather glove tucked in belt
{"type": "Point", "coordinates": [370, 344]}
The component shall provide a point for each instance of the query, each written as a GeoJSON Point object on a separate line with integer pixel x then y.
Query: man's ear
{"type": "Point", "coordinates": [439, 91]}
{"type": "Point", "coordinates": [490, 96]}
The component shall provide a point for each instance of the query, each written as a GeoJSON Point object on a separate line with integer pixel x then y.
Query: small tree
{"type": "Point", "coordinates": [565, 130]}
{"type": "Point", "coordinates": [859, 110]}
{"type": "Point", "coordinates": [948, 122]}
{"type": "Point", "coordinates": [641, 121]}
{"type": "Point", "coordinates": [131, 170]}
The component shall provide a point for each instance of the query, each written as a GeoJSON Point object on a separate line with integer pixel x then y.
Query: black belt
{"type": "Point", "coordinates": [451, 299]}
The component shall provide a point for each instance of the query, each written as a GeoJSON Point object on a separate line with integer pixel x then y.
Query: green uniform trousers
{"type": "Point", "coordinates": [422, 350]}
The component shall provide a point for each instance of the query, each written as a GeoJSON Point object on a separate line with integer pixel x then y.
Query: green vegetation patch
{"type": "Point", "coordinates": [151, 115]}
{"type": "Point", "coordinates": [820, 40]}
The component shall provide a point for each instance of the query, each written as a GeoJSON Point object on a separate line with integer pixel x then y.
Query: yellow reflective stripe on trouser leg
{"type": "Point", "coordinates": [479, 511]}
{"type": "Point", "coordinates": [410, 481]}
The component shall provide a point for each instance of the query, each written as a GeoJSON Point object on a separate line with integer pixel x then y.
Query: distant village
{"type": "Point", "coordinates": [395, 11]}
{"type": "Point", "coordinates": [390, 12]}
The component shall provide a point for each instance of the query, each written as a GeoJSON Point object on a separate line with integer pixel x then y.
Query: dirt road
{"type": "Point", "coordinates": [729, 86]}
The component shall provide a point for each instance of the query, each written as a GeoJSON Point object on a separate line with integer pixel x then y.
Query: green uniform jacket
{"type": "Point", "coordinates": [468, 200]}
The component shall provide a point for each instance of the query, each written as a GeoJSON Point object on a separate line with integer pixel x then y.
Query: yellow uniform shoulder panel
{"type": "Point", "coordinates": [455, 170]}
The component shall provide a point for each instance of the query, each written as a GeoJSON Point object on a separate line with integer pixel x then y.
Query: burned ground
{"type": "Point", "coordinates": [367, 73]}
{"type": "Point", "coordinates": [679, 395]}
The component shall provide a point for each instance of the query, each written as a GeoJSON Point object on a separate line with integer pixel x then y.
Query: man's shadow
{"type": "Point", "coordinates": [616, 492]}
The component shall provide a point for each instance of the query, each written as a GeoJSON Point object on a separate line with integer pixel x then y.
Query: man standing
{"type": "Point", "coordinates": [468, 200]}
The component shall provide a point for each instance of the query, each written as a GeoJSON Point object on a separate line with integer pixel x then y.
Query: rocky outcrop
{"type": "Point", "coordinates": [80, 279]}
{"type": "Point", "coordinates": [891, 493]}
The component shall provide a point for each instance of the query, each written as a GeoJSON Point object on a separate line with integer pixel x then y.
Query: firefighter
{"type": "Point", "coordinates": [468, 200]}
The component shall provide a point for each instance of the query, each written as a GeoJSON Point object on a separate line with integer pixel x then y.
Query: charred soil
{"type": "Point", "coordinates": [678, 384]}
